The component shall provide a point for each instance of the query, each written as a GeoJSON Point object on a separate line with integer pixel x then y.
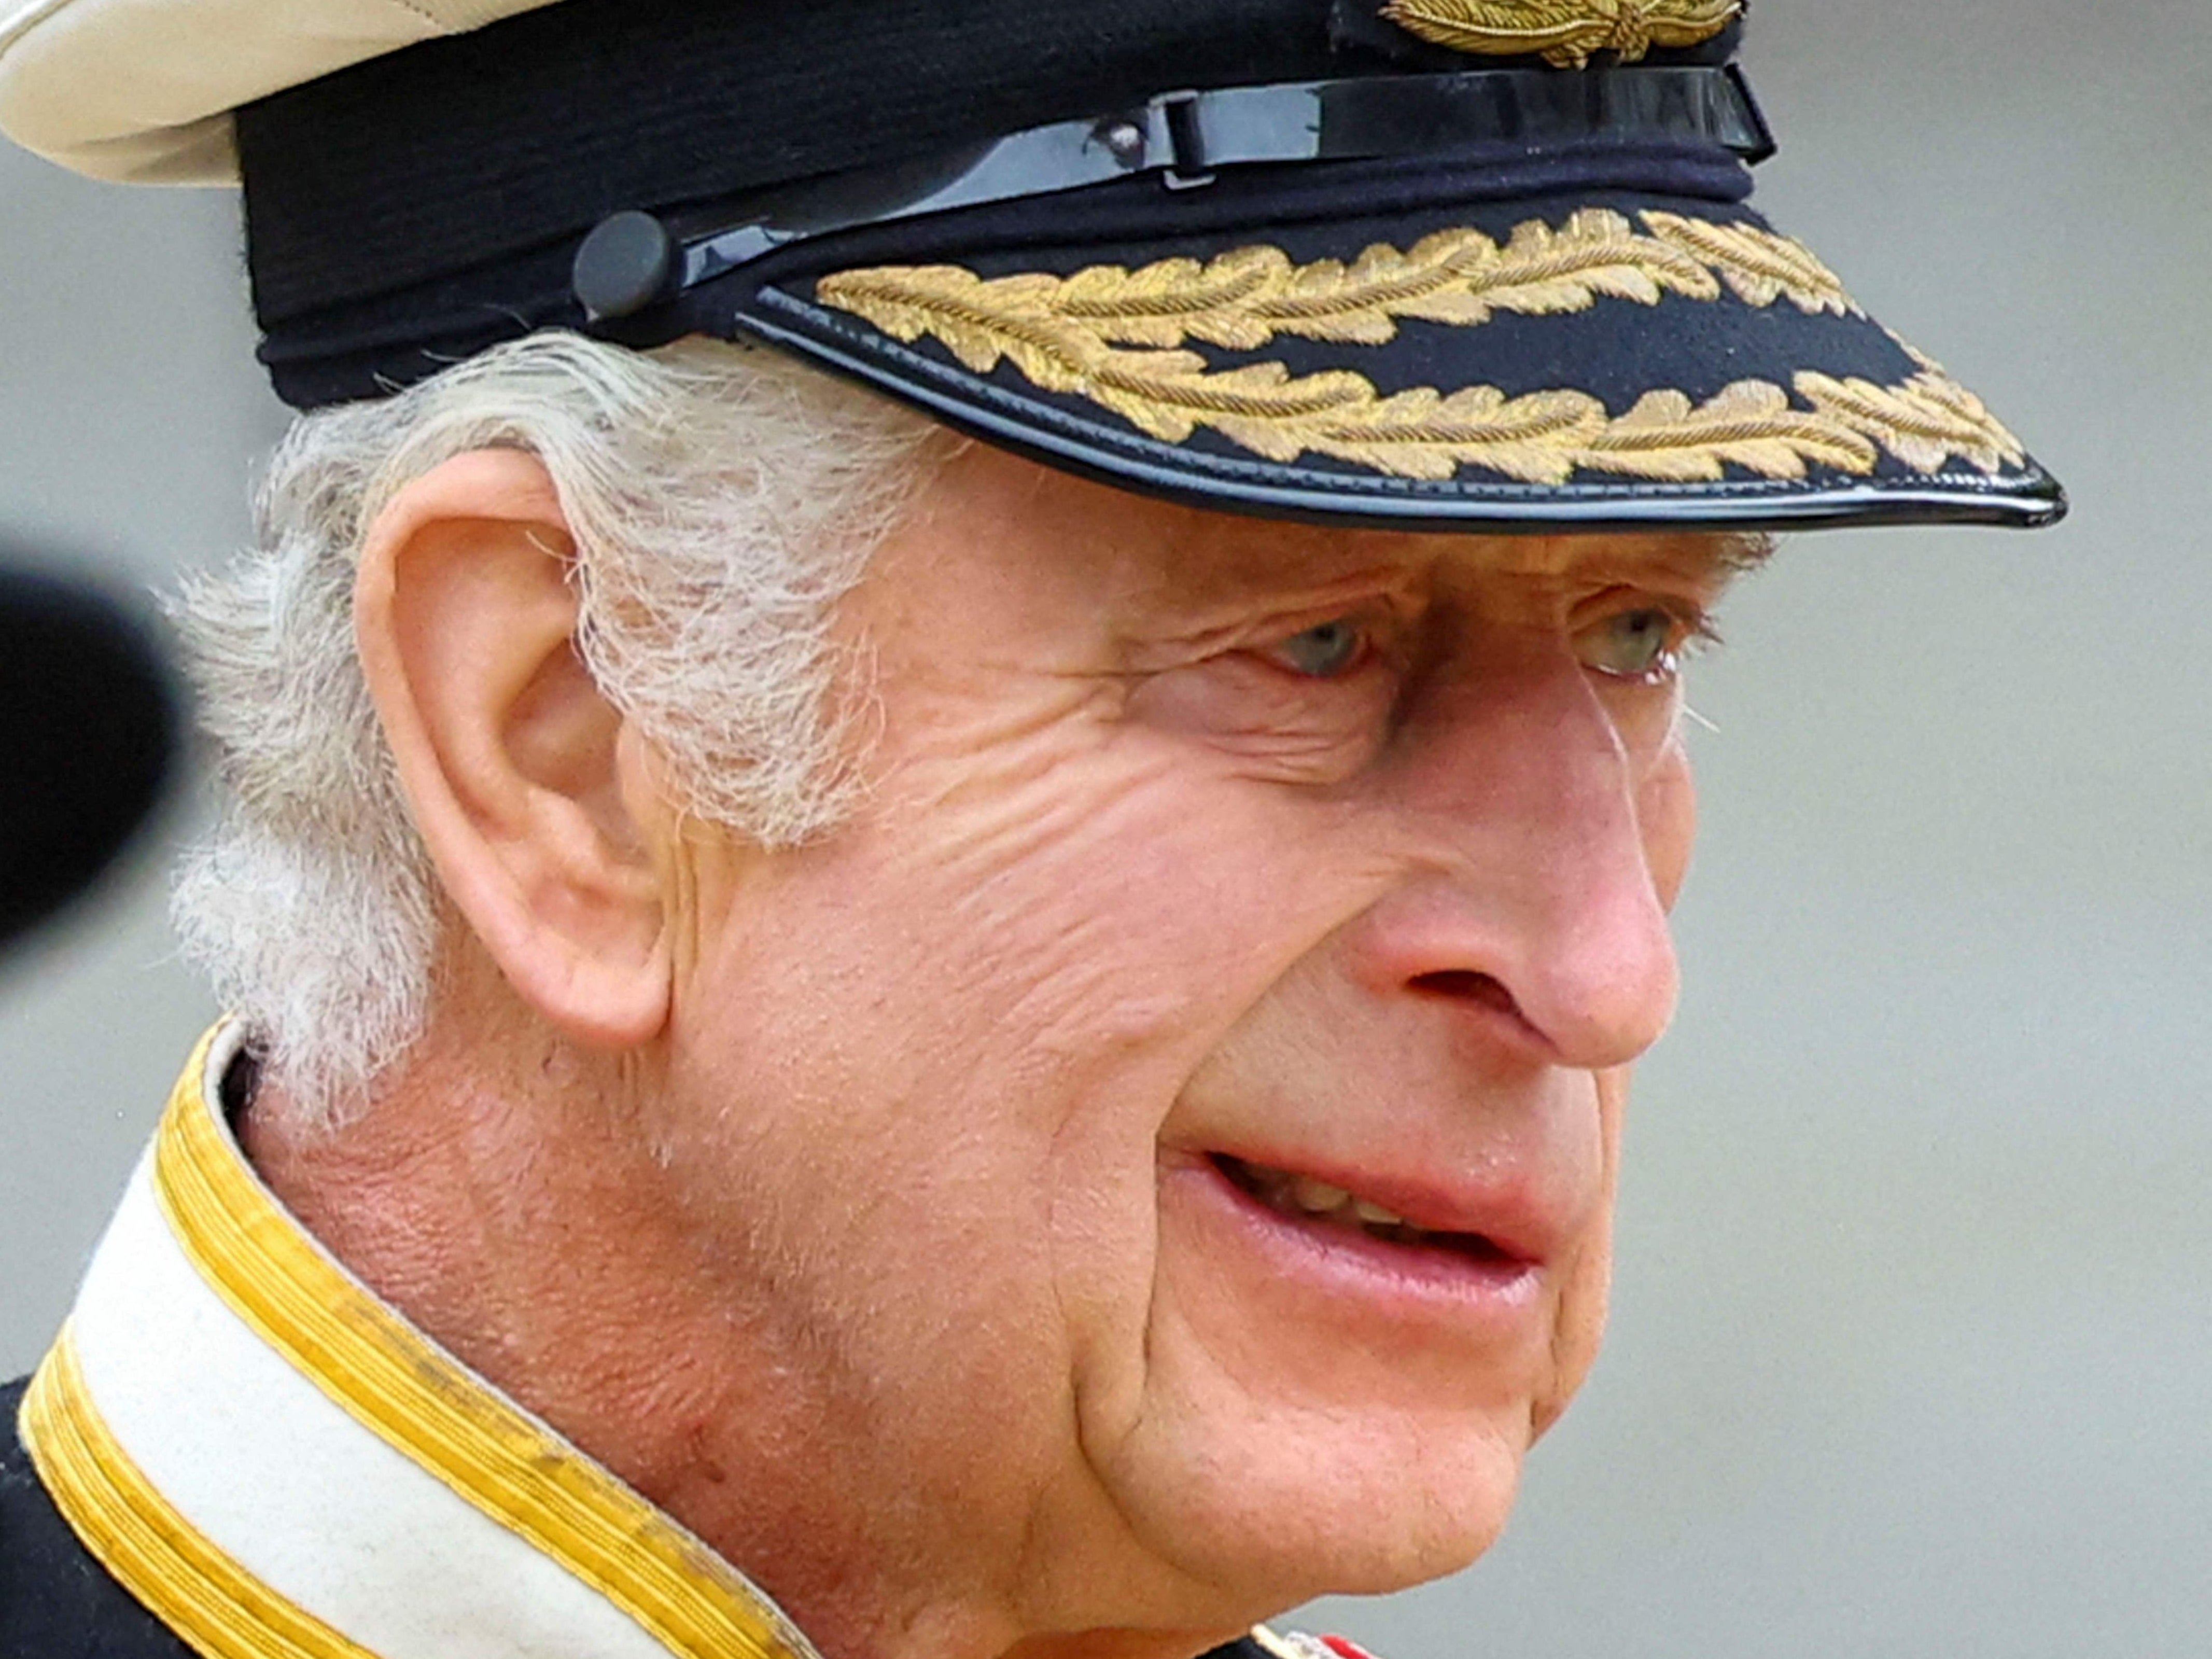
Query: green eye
{"type": "Point", "coordinates": [1324, 653]}
{"type": "Point", "coordinates": [1642, 644]}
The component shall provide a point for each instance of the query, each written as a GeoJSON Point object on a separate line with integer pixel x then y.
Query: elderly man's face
{"type": "Point", "coordinates": [1178, 1115]}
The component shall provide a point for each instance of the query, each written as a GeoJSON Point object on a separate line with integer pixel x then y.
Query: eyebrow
{"type": "Point", "coordinates": [1721, 557]}
{"type": "Point", "coordinates": [1320, 571]}
{"type": "Point", "coordinates": [1745, 551]}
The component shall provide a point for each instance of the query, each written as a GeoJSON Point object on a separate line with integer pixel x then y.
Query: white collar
{"type": "Point", "coordinates": [277, 1463]}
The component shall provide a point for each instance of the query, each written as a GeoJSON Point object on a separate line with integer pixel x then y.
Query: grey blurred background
{"type": "Point", "coordinates": [1915, 1302]}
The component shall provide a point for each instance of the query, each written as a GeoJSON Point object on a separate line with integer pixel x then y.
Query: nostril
{"type": "Point", "coordinates": [1461, 985]}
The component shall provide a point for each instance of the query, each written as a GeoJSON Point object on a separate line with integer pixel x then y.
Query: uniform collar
{"type": "Point", "coordinates": [277, 1463]}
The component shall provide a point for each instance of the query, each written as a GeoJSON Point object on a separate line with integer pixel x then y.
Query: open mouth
{"type": "Point", "coordinates": [1316, 1203]}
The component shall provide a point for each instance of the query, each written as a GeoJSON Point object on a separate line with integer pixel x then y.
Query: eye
{"type": "Point", "coordinates": [1326, 653]}
{"type": "Point", "coordinates": [1642, 644]}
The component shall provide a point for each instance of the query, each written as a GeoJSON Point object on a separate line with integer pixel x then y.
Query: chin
{"type": "Point", "coordinates": [1274, 1503]}
{"type": "Point", "coordinates": [1321, 1414]}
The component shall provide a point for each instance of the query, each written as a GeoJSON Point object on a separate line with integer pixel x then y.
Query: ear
{"type": "Point", "coordinates": [522, 777]}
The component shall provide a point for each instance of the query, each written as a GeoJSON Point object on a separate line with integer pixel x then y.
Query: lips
{"type": "Point", "coordinates": [1242, 1220]}
{"type": "Point", "coordinates": [1415, 1213]}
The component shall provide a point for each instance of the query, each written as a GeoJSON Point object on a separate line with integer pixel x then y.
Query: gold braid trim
{"type": "Point", "coordinates": [1061, 333]}
{"type": "Point", "coordinates": [398, 1386]}
{"type": "Point", "coordinates": [1242, 299]}
{"type": "Point", "coordinates": [147, 1544]}
{"type": "Point", "coordinates": [1565, 31]}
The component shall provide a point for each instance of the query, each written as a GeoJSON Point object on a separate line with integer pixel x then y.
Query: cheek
{"type": "Point", "coordinates": [1585, 1293]}
{"type": "Point", "coordinates": [1008, 975]}
{"type": "Point", "coordinates": [1667, 811]}
{"type": "Point", "coordinates": [1112, 896]}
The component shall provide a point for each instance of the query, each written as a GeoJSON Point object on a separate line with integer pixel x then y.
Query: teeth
{"type": "Point", "coordinates": [1310, 1195]}
{"type": "Point", "coordinates": [1298, 1194]}
{"type": "Point", "coordinates": [1317, 1197]}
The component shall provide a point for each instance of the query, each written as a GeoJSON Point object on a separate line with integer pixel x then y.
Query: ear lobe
{"type": "Point", "coordinates": [511, 760]}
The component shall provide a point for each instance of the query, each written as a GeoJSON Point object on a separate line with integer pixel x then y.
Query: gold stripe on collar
{"type": "Point", "coordinates": [185, 1580]}
{"type": "Point", "coordinates": [424, 1403]}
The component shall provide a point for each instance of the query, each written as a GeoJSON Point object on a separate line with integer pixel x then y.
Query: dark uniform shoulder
{"type": "Point", "coordinates": [57, 1602]}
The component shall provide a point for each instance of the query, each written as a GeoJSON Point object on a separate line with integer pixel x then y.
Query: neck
{"type": "Point", "coordinates": [515, 1213]}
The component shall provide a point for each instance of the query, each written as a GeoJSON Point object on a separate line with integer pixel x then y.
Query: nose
{"type": "Point", "coordinates": [1545, 849]}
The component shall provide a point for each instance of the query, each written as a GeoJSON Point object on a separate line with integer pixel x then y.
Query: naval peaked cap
{"type": "Point", "coordinates": [1424, 263]}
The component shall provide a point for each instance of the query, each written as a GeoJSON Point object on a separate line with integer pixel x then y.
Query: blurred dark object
{"type": "Point", "coordinates": [88, 725]}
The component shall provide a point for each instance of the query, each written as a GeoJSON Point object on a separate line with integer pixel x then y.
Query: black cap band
{"type": "Point", "coordinates": [1387, 261]}
{"type": "Point", "coordinates": [1185, 137]}
{"type": "Point", "coordinates": [432, 201]}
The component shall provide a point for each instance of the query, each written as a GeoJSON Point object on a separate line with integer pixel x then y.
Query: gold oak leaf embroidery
{"type": "Point", "coordinates": [1242, 299]}
{"type": "Point", "coordinates": [1924, 422]}
{"type": "Point", "coordinates": [1565, 32]}
{"type": "Point", "coordinates": [1760, 268]}
{"type": "Point", "coordinates": [1114, 335]}
{"type": "Point", "coordinates": [1544, 437]}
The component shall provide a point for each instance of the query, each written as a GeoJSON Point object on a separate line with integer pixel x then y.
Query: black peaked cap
{"type": "Point", "coordinates": [1419, 263]}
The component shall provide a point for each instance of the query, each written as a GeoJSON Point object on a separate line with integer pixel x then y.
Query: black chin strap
{"type": "Point", "coordinates": [634, 260]}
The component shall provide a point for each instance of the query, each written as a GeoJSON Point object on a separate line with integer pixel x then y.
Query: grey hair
{"type": "Point", "coordinates": [721, 503]}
